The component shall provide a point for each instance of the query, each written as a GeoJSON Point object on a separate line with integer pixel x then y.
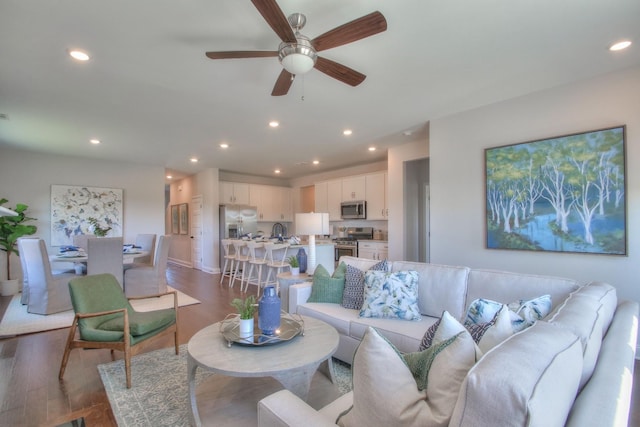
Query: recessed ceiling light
{"type": "Point", "coordinates": [347, 132]}
{"type": "Point", "coordinates": [94, 141]}
{"type": "Point", "coordinates": [276, 171]}
{"type": "Point", "coordinates": [194, 160]}
{"type": "Point", "coordinates": [224, 145]}
{"type": "Point", "coordinates": [620, 45]}
{"type": "Point", "coordinates": [316, 162]}
{"type": "Point", "coordinates": [274, 124]}
{"type": "Point", "coordinates": [79, 55]}
{"type": "Point", "coordinates": [372, 148]}
{"type": "Point", "coordinates": [169, 176]}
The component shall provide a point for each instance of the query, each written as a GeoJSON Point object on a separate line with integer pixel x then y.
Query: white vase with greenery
{"type": "Point", "coordinates": [246, 311]}
{"type": "Point", "coordinates": [293, 264]}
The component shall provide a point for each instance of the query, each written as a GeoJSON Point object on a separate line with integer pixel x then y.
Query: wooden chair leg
{"type": "Point", "coordinates": [67, 349]}
{"type": "Point", "coordinates": [127, 365]}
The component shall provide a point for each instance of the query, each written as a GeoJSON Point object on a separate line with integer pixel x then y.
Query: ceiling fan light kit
{"type": "Point", "coordinates": [297, 58]}
{"type": "Point", "coordinates": [298, 54]}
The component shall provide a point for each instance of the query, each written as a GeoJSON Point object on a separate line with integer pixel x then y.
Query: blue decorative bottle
{"type": "Point", "coordinates": [269, 311]}
{"type": "Point", "coordinates": [302, 260]}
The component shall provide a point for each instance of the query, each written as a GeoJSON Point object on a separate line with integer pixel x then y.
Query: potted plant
{"type": "Point", "coordinates": [246, 310]}
{"type": "Point", "coordinates": [11, 229]}
{"type": "Point", "coordinates": [293, 263]}
{"type": "Point", "coordinates": [98, 230]}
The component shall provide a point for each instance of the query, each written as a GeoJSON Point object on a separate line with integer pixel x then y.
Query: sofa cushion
{"type": "Point", "coordinates": [606, 294]}
{"type": "Point", "coordinates": [404, 335]}
{"type": "Point", "coordinates": [440, 287]}
{"type": "Point", "coordinates": [333, 314]}
{"type": "Point", "coordinates": [521, 382]}
{"type": "Point", "coordinates": [581, 315]}
{"type": "Point", "coordinates": [326, 287]}
{"type": "Point", "coordinates": [391, 295]}
{"type": "Point", "coordinates": [384, 389]}
{"type": "Point", "coordinates": [353, 294]}
{"type": "Point", "coordinates": [506, 286]}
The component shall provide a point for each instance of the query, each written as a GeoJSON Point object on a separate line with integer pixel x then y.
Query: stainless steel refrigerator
{"type": "Point", "coordinates": [235, 222]}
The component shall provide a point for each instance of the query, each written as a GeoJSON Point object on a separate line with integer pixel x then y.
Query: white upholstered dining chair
{"type": "Point", "coordinates": [105, 256]}
{"type": "Point", "coordinates": [152, 279]}
{"type": "Point", "coordinates": [48, 294]}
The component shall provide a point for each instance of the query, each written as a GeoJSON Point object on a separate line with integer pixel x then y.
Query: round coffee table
{"type": "Point", "coordinates": [293, 363]}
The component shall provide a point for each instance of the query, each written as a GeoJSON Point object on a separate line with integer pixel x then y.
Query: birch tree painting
{"type": "Point", "coordinates": [564, 194]}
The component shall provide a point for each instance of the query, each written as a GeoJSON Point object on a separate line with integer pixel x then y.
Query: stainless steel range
{"type": "Point", "coordinates": [348, 245]}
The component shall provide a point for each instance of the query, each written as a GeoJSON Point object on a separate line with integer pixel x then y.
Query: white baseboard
{"type": "Point", "coordinates": [180, 262]}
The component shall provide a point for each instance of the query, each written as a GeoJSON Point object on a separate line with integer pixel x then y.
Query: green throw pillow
{"type": "Point", "coordinates": [327, 288]}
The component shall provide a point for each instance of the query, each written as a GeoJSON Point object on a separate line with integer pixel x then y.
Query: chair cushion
{"type": "Point", "coordinates": [328, 288]}
{"type": "Point", "coordinates": [391, 295]}
{"type": "Point", "coordinates": [96, 293]}
{"type": "Point", "coordinates": [141, 322]}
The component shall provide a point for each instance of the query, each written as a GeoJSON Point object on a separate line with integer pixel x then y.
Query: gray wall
{"type": "Point", "coordinates": [457, 146]}
{"type": "Point", "coordinates": [26, 177]}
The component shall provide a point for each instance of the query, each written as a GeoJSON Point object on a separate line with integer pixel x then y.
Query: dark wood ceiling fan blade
{"type": "Point", "coordinates": [339, 71]}
{"type": "Point", "coordinates": [357, 29]}
{"type": "Point", "coordinates": [284, 82]}
{"type": "Point", "coordinates": [274, 16]}
{"type": "Point", "coordinates": [241, 54]}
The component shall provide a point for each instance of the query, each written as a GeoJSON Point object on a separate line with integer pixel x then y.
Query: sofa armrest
{"type": "Point", "coordinates": [298, 294]}
{"type": "Point", "coordinates": [284, 408]}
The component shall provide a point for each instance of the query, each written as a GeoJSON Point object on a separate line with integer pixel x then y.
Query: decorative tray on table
{"type": "Point", "coordinates": [291, 325]}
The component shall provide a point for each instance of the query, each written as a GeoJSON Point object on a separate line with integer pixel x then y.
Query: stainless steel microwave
{"type": "Point", "coordinates": [356, 209]}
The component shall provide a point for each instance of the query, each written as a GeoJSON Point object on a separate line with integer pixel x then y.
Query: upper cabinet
{"type": "Point", "coordinates": [234, 192]}
{"type": "Point", "coordinates": [273, 203]}
{"type": "Point", "coordinates": [371, 187]}
{"type": "Point", "coordinates": [353, 188]}
{"type": "Point", "coordinates": [376, 196]}
{"type": "Point", "coordinates": [328, 196]}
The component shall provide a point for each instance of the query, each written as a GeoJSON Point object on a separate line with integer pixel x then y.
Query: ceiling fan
{"type": "Point", "coordinates": [298, 54]}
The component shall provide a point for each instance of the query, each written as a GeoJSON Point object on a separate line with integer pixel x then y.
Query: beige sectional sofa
{"type": "Point", "coordinates": [580, 373]}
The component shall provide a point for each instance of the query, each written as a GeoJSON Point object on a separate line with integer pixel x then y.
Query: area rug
{"type": "Point", "coordinates": [17, 321]}
{"type": "Point", "coordinates": [159, 392]}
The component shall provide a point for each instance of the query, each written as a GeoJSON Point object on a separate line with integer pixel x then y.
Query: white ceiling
{"type": "Point", "coordinates": [150, 94]}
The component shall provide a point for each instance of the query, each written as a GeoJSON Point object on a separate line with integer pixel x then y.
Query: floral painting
{"type": "Point", "coordinates": [72, 206]}
{"type": "Point", "coordinates": [563, 194]}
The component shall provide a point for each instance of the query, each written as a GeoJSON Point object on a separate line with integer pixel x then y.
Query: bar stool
{"type": "Point", "coordinates": [229, 259]}
{"type": "Point", "coordinates": [276, 261]}
{"type": "Point", "coordinates": [255, 261]}
{"type": "Point", "coordinates": [242, 257]}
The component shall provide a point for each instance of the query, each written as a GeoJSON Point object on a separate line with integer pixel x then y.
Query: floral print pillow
{"type": "Point", "coordinates": [391, 295]}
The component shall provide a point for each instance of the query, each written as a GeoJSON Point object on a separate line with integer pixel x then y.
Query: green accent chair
{"type": "Point", "coordinates": [103, 313]}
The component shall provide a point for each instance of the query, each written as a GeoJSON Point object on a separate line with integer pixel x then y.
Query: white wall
{"type": "Point", "coordinates": [396, 159]}
{"type": "Point", "coordinates": [457, 146]}
{"type": "Point", "coordinates": [26, 177]}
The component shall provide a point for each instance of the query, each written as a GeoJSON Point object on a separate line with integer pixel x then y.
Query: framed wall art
{"type": "Point", "coordinates": [175, 220]}
{"type": "Point", "coordinates": [184, 218]}
{"type": "Point", "coordinates": [72, 206]}
{"type": "Point", "coordinates": [561, 194]}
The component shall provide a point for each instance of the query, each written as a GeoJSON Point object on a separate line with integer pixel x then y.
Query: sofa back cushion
{"type": "Point", "coordinates": [506, 287]}
{"type": "Point", "coordinates": [440, 287]}
{"type": "Point", "coordinates": [606, 294]}
{"type": "Point", "coordinates": [581, 314]}
{"type": "Point", "coordinates": [530, 379]}
{"type": "Point", "coordinates": [362, 263]}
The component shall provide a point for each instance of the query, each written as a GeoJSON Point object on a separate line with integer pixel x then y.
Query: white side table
{"type": "Point", "coordinates": [287, 279]}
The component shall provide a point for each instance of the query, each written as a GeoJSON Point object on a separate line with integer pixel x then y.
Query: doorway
{"type": "Point", "coordinates": [416, 210]}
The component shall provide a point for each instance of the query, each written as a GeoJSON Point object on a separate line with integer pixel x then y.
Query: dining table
{"type": "Point", "coordinates": [80, 258]}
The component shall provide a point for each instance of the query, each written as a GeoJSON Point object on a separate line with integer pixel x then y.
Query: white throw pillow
{"type": "Point", "coordinates": [391, 295]}
{"type": "Point", "coordinates": [385, 391]}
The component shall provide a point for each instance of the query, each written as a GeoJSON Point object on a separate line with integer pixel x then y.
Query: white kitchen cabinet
{"type": "Point", "coordinates": [334, 198]}
{"type": "Point", "coordinates": [353, 188]}
{"type": "Point", "coordinates": [376, 196]}
{"type": "Point", "coordinates": [373, 250]}
{"type": "Point", "coordinates": [273, 203]}
{"type": "Point", "coordinates": [321, 197]}
{"type": "Point", "coordinates": [234, 192]}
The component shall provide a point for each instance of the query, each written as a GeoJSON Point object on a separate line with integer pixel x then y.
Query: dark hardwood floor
{"type": "Point", "coordinates": [37, 398]}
